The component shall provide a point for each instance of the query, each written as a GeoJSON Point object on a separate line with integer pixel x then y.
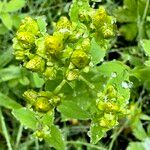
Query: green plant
{"type": "Point", "coordinates": [74, 85]}
{"type": "Point", "coordinates": [65, 86]}
{"type": "Point", "coordinates": [8, 18]}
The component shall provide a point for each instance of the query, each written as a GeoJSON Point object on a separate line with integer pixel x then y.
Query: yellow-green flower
{"type": "Point", "coordinates": [80, 59]}
{"type": "Point", "coordinates": [54, 44]}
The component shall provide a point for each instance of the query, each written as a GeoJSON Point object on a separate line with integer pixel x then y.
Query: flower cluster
{"type": "Point", "coordinates": [67, 49]}
{"type": "Point", "coordinates": [42, 101]}
{"type": "Point", "coordinates": [111, 106]}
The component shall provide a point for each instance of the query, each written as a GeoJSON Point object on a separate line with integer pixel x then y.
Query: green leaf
{"type": "Point", "coordinates": [48, 118]}
{"type": "Point", "coordinates": [72, 110]}
{"type": "Point", "coordinates": [26, 117]}
{"type": "Point", "coordinates": [127, 13]}
{"type": "Point", "coordinates": [96, 133]}
{"type": "Point", "coordinates": [146, 46]}
{"type": "Point", "coordinates": [144, 145]}
{"type": "Point", "coordinates": [55, 138]}
{"type": "Point", "coordinates": [107, 68]}
{"type": "Point", "coordinates": [147, 63]}
{"type": "Point", "coordinates": [144, 117]}
{"type": "Point", "coordinates": [138, 130]}
{"type": "Point", "coordinates": [3, 29]}
{"type": "Point", "coordinates": [142, 73]}
{"type": "Point", "coordinates": [130, 11]}
{"type": "Point", "coordinates": [42, 23]}
{"type": "Point", "coordinates": [5, 57]}
{"type": "Point", "coordinates": [7, 102]}
{"type": "Point", "coordinates": [77, 7]}
{"type": "Point", "coordinates": [1, 6]}
{"type": "Point", "coordinates": [118, 75]}
{"type": "Point", "coordinates": [24, 81]}
{"type": "Point", "coordinates": [36, 81]}
{"type": "Point", "coordinates": [14, 5]}
{"type": "Point", "coordinates": [7, 20]}
{"type": "Point", "coordinates": [97, 53]}
{"type": "Point", "coordinates": [127, 29]}
{"type": "Point", "coordinates": [16, 20]}
{"type": "Point", "coordinates": [12, 72]}
{"type": "Point", "coordinates": [135, 146]}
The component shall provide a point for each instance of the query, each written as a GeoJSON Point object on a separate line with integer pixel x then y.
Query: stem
{"type": "Point", "coordinates": [5, 131]}
{"type": "Point", "coordinates": [36, 144]}
{"type": "Point", "coordinates": [59, 87]}
{"type": "Point", "coordinates": [19, 136]}
{"type": "Point", "coordinates": [141, 24]}
{"type": "Point", "coordinates": [86, 144]}
{"type": "Point", "coordinates": [116, 134]}
{"type": "Point", "coordinates": [87, 82]}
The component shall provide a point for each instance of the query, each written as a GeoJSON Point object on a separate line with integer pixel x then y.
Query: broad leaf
{"type": "Point", "coordinates": [118, 75]}
{"type": "Point", "coordinates": [14, 5]}
{"type": "Point", "coordinates": [97, 53]}
{"type": "Point", "coordinates": [77, 7]}
{"type": "Point", "coordinates": [139, 131]}
{"type": "Point", "coordinates": [96, 133]}
{"type": "Point", "coordinates": [124, 30]}
{"type": "Point", "coordinates": [26, 117]}
{"type": "Point", "coordinates": [3, 29]}
{"type": "Point", "coordinates": [55, 138]}
{"type": "Point", "coordinates": [36, 81]}
{"type": "Point", "coordinates": [7, 20]}
{"type": "Point", "coordinates": [71, 110]}
{"type": "Point", "coordinates": [7, 102]}
{"type": "Point", "coordinates": [144, 145]}
{"type": "Point", "coordinates": [6, 57]}
{"type": "Point", "coordinates": [10, 73]}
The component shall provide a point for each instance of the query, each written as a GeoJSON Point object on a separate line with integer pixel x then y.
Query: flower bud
{"type": "Point", "coordinates": [84, 17]}
{"type": "Point", "coordinates": [37, 63]}
{"type": "Point", "coordinates": [54, 44]}
{"type": "Point", "coordinates": [80, 59]}
{"type": "Point", "coordinates": [107, 31]}
{"type": "Point", "coordinates": [50, 73]}
{"type": "Point", "coordinates": [86, 44]}
{"type": "Point", "coordinates": [55, 100]}
{"type": "Point", "coordinates": [111, 92]}
{"type": "Point", "coordinates": [19, 54]}
{"type": "Point", "coordinates": [72, 74]}
{"type": "Point", "coordinates": [63, 23]}
{"type": "Point", "coordinates": [108, 121]}
{"type": "Point", "coordinates": [29, 25]}
{"type": "Point", "coordinates": [30, 96]}
{"type": "Point", "coordinates": [42, 104]}
{"type": "Point", "coordinates": [25, 39]}
{"type": "Point", "coordinates": [99, 17]}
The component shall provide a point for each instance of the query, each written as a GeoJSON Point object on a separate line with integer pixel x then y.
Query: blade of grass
{"type": "Point", "coordinates": [19, 136]}
{"type": "Point", "coordinates": [5, 131]}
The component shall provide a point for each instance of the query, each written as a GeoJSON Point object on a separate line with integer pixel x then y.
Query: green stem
{"type": "Point", "coordinates": [19, 136]}
{"type": "Point", "coordinates": [59, 87]}
{"type": "Point", "coordinates": [86, 144]}
{"type": "Point", "coordinates": [116, 134]}
{"type": "Point", "coordinates": [5, 131]}
{"type": "Point", "coordinates": [87, 82]}
{"type": "Point", "coordinates": [142, 20]}
{"type": "Point", "coordinates": [37, 144]}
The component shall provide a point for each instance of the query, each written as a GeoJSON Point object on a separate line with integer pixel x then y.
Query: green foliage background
{"type": "Point", "coordinates": [131, 46]}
